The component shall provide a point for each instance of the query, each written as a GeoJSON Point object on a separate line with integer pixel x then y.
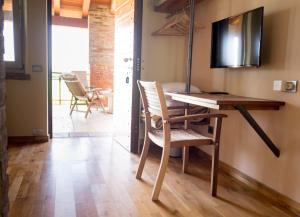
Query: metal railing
{"type": "Point", "coordinates": [60, 93]}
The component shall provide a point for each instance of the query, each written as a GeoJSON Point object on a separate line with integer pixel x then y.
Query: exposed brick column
{"type": "Point", "coordinates": [3, 134]}
{"type": "Point", "coordinates": [101, 51]}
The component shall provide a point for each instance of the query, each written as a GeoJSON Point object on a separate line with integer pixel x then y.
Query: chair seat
{"type": "Point", "coordinates": [180, 137]}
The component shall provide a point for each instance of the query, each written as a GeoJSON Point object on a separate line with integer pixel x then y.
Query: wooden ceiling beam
{"type": "Point", "coordinates": [113, 5]}
{"type": "Point", "coordinates": [85, 8]}
{"type": "Point", "coordinates": [56, 6]}
{"type": "Point", "coordinates": [71, 11]}
{"type": "Point", "coordinates": [117, 5]}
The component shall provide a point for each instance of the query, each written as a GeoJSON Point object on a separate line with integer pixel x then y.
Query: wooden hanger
{"type": "Point", "coordinates": [178, 25]}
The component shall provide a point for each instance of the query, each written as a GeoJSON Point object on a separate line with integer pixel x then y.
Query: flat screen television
{"type": "Point", "coordinates": [236, 41]}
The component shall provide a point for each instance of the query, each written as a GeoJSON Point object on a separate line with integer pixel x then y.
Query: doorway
{"type": "Point", "coordinates": [83, 46]}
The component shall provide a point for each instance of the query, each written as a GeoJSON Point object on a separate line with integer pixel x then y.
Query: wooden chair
{"type": "Point", "coordinates": [79, 93]}
{"type": "Point", "coordinates": [69, 77]}
{"type": "Point", "coordinates": [154, 103]}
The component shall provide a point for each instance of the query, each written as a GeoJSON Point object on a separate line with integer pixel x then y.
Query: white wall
{"type": "Point", "coordinates": [163, 57]}
{"type": "Point", "coordinates": [27, 100]}
{"type": "Point", "coordinates": [240, 145]}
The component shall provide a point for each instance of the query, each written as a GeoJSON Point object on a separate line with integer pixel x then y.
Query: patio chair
{"type": "Point", "coordinates": [79, 93]}
{"type": "Point", "coordinates": [69, 77]}
{"type": "Point", "coordinates": [154, 103]}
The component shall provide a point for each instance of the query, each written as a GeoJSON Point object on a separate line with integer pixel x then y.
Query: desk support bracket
{"type": "Point", "coordinates": [258, 129]}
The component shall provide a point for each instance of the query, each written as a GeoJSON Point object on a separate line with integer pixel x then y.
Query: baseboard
{"type": "Point", "coordinates": [274, 196]}
{"type": "Point", "coordinates": [15, 140]}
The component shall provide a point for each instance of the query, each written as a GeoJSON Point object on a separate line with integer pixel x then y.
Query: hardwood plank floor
{"type": "Point", "coordinates": [93, 177]}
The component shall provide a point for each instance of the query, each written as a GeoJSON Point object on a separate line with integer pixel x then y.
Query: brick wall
{"type": "Point", "coordinates": [3, 134]}
{"type": "Point", "coordinates": [101, 52]}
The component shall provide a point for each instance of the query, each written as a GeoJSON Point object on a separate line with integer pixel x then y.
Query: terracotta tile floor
{"type": "Point", "coordinates": [97, 123]}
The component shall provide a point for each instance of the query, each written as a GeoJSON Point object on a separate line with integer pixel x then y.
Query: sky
{"type": "Point", "coordinates": [70, 49]}
{"type": "Point", "coordinates": [8, 33]}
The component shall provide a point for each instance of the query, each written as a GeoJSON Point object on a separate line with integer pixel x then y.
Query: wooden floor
{"type": "Point", "coordinates": [89, 177]}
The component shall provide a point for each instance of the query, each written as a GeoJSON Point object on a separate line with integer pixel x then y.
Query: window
{"type": "Point", "coordinates": [13, 35]}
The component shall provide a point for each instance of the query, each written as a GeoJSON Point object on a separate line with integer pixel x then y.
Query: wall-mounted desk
{"type": "Point", "coordinates": [231, 102]}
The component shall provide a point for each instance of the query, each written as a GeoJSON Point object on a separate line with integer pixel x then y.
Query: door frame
{"type": "Point", "coordinates": [137, 55]}
{"type": "Point", "coordinates": [137, 52]}
{"type": "Point", "coordinates": [49, 48]}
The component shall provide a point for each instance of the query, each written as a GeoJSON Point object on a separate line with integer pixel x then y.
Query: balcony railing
{"type": "Point", "coordinates": [60, 93]}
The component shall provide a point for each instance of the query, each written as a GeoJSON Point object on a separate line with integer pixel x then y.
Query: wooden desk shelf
{"type": "Point", "coordinates": [231, 102]}
{"type": "Point", "coordinates": [227, 102]}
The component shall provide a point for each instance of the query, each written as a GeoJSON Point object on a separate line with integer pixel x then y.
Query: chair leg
{"type": "Point", "coordinates": [214, 170]}
{"type": "Point", "coordinates": [102, 106]}
{"type": "Point", "coordinates": [87, 104]}
{"type": "Point", "coordinates": [185, 158]}
{"type": "Point", "coordinates": [72, 109]}
{"type": "Point", "coordinates": [88, 110]}
{"type": "Point", "coordinates": [71, 101]}
{"type": "Point", "coordinates": [161, 172]}
{"type": "Point", "coordinates": [143, 158]}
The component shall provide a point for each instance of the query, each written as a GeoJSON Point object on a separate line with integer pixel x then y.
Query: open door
{"type": "Point", "coordinates": [128, 34]}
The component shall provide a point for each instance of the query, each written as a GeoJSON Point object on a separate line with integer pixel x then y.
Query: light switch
{"type": "Point", "coordinates": [37, 68]}
{"type": "Point", "coordinates": [277, 85]}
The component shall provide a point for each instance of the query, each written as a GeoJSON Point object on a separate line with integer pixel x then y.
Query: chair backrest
{"type": "Point", "coordinates": [83, 77]}
{"type": "Point", "coordinates": [69, 77]}
{"type": "Point", "coordinates": [153, 99]}
{"type": "Point", "coordinates": [74, 85]}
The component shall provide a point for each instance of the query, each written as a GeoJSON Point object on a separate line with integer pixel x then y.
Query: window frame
{"type": "Point", "coordinates": [17, 66]}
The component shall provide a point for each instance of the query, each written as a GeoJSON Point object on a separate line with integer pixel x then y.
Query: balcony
{"type": "Point", "coordinates": [99, 123]}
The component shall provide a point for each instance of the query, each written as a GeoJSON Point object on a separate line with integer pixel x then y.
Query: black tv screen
{"type": "Point", "coordinates": [236, 41]}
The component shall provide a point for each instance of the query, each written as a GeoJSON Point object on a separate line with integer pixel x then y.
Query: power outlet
{"type": "Point", "coordinates": [290, 86]}
{"type": "Point", "coordinates": [38, 132]}
{"type": "Point", "coordinates": [210, 130]}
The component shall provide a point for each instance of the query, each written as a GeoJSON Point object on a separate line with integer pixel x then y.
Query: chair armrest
{"type": "Point", "coordinates": [181, 107]}
{"type": "Point", "coordinates": [93, 89]}
{"type": "Point", "coordinates": [191, 117]}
